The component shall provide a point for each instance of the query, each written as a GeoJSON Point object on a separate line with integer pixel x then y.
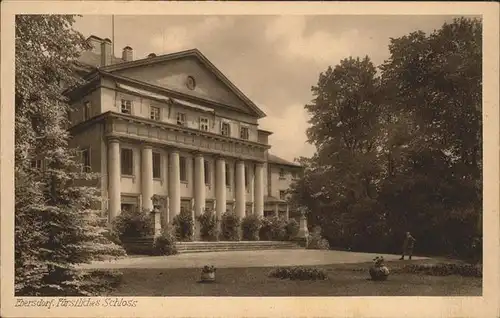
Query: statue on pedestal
{"type": "Point", "coordinates": [303, 234]}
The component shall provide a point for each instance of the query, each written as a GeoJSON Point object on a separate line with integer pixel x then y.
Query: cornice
{"type": "Point", "coordinates": [109, 116]}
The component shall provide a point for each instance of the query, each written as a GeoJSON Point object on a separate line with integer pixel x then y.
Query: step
{"type": "Point", "coordinates": [238, 248]}
{"type": "Point", "coordinates": [200, 247]}
{"type": "Point", "coordinates": [144, 245]}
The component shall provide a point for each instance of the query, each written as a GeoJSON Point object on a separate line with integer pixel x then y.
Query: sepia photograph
{"type": "Point", "coordinates": [246, 155]}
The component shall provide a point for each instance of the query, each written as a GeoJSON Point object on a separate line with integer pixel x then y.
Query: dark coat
{"type": "Point", "coordinates": [409, 242]}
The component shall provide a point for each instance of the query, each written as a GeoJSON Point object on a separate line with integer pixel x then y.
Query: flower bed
{"type": "Point", "coordinates": [298, 273]}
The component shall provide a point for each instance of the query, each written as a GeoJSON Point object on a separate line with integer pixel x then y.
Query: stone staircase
{"type": "Point", "coordinates": [222, 246]}
{"type": "Point", "coordinates": [143, 246]}
{"type": "Point", "coordinates": [139, 246]}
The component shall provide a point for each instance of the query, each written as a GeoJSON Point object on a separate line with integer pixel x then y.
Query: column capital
{"type": "Point", "coordinates": [220, 157]}
{"type": "Point", "coordinates": [198, 154]}
{"type": "Point", "coordinates": [113, 139]}
{"type": "Point", "coordinates": [147, 146]}
{"type": "Point", "coordinates": [173, 150]}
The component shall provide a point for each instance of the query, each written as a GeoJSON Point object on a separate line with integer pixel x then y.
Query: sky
{"type": "Point", "coordinates": [273, 60]}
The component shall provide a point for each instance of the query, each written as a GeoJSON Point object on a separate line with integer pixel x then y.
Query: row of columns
{"type": "Point", "coordinates": [255, 184]}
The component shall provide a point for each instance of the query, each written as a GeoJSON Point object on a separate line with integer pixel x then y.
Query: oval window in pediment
{"type": "Point", "coordinates": [190, 83]}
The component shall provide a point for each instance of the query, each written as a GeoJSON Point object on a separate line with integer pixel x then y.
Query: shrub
{"type": "Point", "coordinates": [298, 273]}
{"type": "Point", "coordinates": [208, 222]}
{"type": "Point", "coordinates": [250, 226]}
{"type": "Point", "coordinates": [165, 244]}
{"type": "Point", "coordinates": [291, 229]}
{"type": "Point", "coordinates": [112, 236]}
{"type": "Point", "coordinates": [183, 223]}
{"type": "Point", "coordinates": [230, 227]}
{"type": "Point", "coordinates": [273, 229]}
{"type": "Point", "coordinates": [445, 269]}
{"type": "Point", "coordinates": [132, 224]}
{"type": "Point", "coordinates": [316, 241]}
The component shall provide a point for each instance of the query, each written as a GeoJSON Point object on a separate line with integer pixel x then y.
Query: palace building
{"type": "Point", "coordinates": [173, 127]}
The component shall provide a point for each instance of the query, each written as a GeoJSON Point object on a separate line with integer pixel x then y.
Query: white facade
{"type": "Point", "coordinates": [173, 126]}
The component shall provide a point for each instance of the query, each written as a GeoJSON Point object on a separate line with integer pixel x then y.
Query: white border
{"type": "Point", "coordinates": [486, 306]}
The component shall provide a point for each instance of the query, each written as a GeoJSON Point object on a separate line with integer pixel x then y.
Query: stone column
{"type": "Point", "coordinates": [251, 186]}
{"type": "Point", "coordinates": [174, 185]}
{"type": "Point", "coordinates": [147, 177]}
{"type": "Point", "coordinates": [220, 187]}
{"type": "Point", "coordinates": [199, 184]}
{"type": "Point", "coordinates": [240, 189]}
{"type": "Point", "coordinates": [277, 210]}
{"type": "Point", "coordinates": [199, 191]}
{"type": "Point", "coordinates": [287, 217]}
{"type": "Point", "coordinates": [259, 190]}
{"type": "Point", "coordinates": [114, 179]}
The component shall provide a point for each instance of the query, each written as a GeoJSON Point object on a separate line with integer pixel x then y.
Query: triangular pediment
{"type": "Point", "coordinates": [188, 73]}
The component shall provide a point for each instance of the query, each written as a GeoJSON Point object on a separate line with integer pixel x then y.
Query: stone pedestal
{"type": "Point", "coordinates": [303, 234]}
{"type": "Point", "coordinates": [156, 222]}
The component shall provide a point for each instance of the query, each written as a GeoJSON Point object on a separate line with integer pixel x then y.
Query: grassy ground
{"type": "Point", "coordinates": [343, 280]}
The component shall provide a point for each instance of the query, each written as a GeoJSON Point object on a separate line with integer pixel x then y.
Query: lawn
{"type": "Point", "coordinates": [343, 280]}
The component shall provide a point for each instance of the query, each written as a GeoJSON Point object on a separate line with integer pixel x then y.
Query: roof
{"type": "Point", "coordinates": [280, 161]}
{"type": "Point", "coordinates": [93, 59]}
{"type": "Point", "coordinates": [265, 131]}
{"type": "Point", "coordinates": [187, 53]}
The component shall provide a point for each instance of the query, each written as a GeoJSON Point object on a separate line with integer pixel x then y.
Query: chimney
{"type": "Point", "coordinates": [106, 52]}
{"type": "Point", "coordinates": [127, 54]}
{"type": "Point", "coordinates": [95, 42]}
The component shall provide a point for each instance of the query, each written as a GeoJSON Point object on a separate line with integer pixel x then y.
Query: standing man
{"type": "Point", "coordinates": [408, 246]}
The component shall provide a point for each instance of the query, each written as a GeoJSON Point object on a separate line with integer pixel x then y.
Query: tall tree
{"type": "Point", "coordinates": [403, 151]}
{"type": "Point", "coordinates": [55, 225]}
{"type": "Point", "coordinates": [344, 128]}
{"type": "Point", "coordinates": [433, 86]}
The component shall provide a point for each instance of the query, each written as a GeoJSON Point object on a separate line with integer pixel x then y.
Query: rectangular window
{"type": "Point", "coordinates": [228, 176]}
{"type": "Point", "coordinates": [282, 194]}
{"type": "Point", "coordinates": [207, 172]}
{"type": "Point", "coordinates": [86, 110]}
{"type": "Point", "coordinates": [294, 175]}
{"type": "Point", "coordinates": [204, 123]}
{"type": "Point", "coordinates": [246, 177]}
{"type": "Point", "coordinates": [86, 160]}
{"type": "Point", "coordinates": [185, 205]}
{"type": "Point", "coordinates": [126, 107]}
{"type": "Point", "coordinates": [282, 173]}
{"type": "Point", "coordinates": [183, 169]}
{"type": "Point", "coordinates": [244, 133]}
{"type": "Point", "coordinates": [127, 162]}
{"type": "Point", "coordinates": [36, 164]}
{"type": "Point", "coordinates": [181, 119]}
{"type": "Point", "coordinates": [225, 129]}
{"type": "Point", "coordinates": [155, 113]}
{"type": "Point", "coordinates": [156, 165]}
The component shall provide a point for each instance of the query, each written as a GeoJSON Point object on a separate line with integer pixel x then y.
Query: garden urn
{"type": "Point", "coordinates": [379, 271]}
{"type": "Point", "coordinates": [208, 274]}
